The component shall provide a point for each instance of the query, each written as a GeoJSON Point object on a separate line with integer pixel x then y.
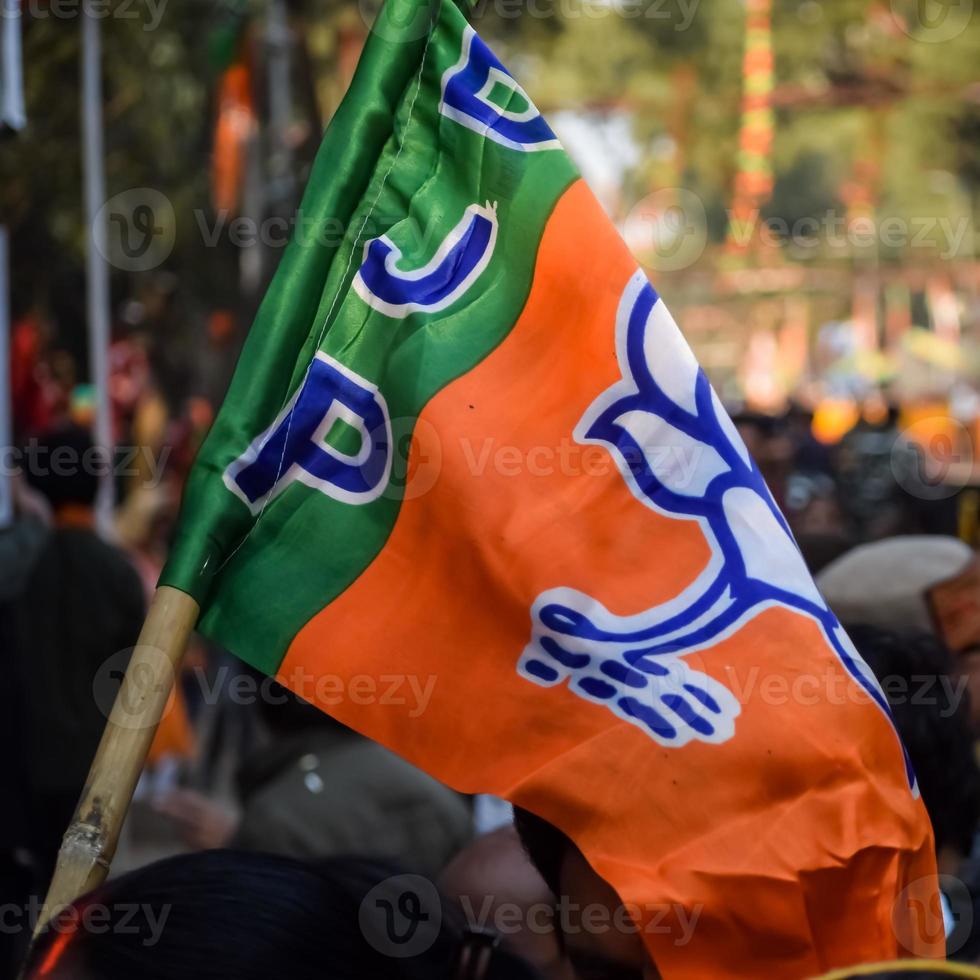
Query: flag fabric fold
{"type": "Point", "coordinates": [471, 494]}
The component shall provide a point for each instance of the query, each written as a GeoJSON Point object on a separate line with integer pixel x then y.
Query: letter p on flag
{"type": "Point", "coordinates": [296, 448]}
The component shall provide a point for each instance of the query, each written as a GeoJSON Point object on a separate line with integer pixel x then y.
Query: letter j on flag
{"type": "Point", "coordinates": [468, 442]}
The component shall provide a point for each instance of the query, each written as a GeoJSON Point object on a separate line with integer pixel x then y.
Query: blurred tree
{"type": "Point", "coordinates": [865, 95]}
{"type": "Point", "coordinates": [157, 119]}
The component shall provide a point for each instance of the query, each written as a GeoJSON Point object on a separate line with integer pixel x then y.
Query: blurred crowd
{"type": "Point", "coordinates": [306, 816]}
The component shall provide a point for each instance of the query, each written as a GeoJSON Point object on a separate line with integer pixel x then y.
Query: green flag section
{"type": "Point", "coordinates": [467, 452]}
{"type": "Point", "coordinates": [391, 164]}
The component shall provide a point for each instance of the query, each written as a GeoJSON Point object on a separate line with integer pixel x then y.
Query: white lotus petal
{"type": "Point", "coordinates": [767, 550]}
{"type": "Point", "coordinates": [682, 464]}
{"type": "Point", "coordinates": [669, 359]}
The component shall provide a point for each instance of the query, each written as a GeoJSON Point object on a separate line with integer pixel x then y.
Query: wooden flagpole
{"type": "Point", "coordinates": [90, 841]}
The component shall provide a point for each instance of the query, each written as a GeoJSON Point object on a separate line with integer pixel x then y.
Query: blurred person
{"type": "Point", "coordinates": [129, 378]}
{"type": "Point", "coordinates": [319, 789]}
{"type": "Point", "coordinates": [613, 950]}
{"type": "Point", "coordinates": [20, 546]}
{"type": "Point", "coordinates": [869, 460]}
{"type": "Point", "coordinates": [885, 583]}
{"type": "Point", "coordinates": [81, 603]}
{"type": "Point", "coordinates": [493, 878]}
{"type": "Point", "coordinates": [815, 516]}
{"type": "Point", "coordinates": [224, 914]}
{"type": "Point", "coordinates": [932, 714]}
{"type": "Point", "coordinates": [755, 429]}
{"type": "Point", "coordinates": [766, 440]}
{"type": "Point", "coordinates": [822, 548]}
{"type": "Point", "coordinates": [812, 504]}
{"type": "Point", "coordinates": [31, 392]}
{"type": "Point", "coordinates": [22, 542]}
{"type": "Point", "coordinates": [810, 455]}
{"type": "Point", "coordinates": [811, 500]}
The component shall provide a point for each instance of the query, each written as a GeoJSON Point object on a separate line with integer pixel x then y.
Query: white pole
{"type": "Point", "coordinates": [11, 68]}
{"type": "Point", "coordinates": [6, 426]}
{"type": "Point", "coordinates": [280, 41]}
{"type": "Point", "coordinates": [97, 269]}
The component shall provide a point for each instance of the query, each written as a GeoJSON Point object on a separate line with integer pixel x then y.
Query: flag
{"type": "Point", "coordinates": [471, 494]}
{"type": "Point", "coordinates": [234, 129]}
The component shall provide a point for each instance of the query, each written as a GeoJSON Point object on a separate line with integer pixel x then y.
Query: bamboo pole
{"type": "Point", "coordinates": [90, 842]}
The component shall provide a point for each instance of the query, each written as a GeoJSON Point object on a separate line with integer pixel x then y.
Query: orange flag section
{"type": "Point", "coordinates": [772, 839]}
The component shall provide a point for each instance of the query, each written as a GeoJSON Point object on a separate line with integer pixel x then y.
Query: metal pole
{"type": "Point", "coordinates": [12, 116]}
{"type": "Point", "coordinates": [97, 269]}
{"type": "Point", "coordinates": [11, 68]}
{"type": "Point", "coordinates": [6, 427]}
{"type": "Point", "coordinates": [280, 41]}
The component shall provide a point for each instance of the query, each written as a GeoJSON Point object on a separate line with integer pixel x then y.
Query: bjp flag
{"type": "Point", "coordinates": [472, 495]}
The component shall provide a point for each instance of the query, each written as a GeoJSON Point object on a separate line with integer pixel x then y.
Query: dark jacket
{"type": "Point", "coordinates": [329, 791]}
{"type": "Point", "coordinates": [70, 631]}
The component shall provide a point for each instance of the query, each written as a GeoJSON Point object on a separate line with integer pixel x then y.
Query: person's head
{"type": "Point", "coordinates": [799, 417]}
{"type": "Point", "coordinates": [885, 583]}
{"type": "Point", "coordinates": [821, 548]}
{"type": "Point", "coordinates": [812, 506]}
{"type": "Point", "coordinates": [880, 410]}
{"type": "Point", "coordinates": [755, 429]}
{"type": "Point", "coordinates": [64, 465]}
{"type": "Point", "coordinates": [595, 954]}
{"type": "Point", "coordinates": [932, 714]}
{"type": "Point", "coordinates": [220, 914]}
{"type": "Point", "coordinates": [494, 875]}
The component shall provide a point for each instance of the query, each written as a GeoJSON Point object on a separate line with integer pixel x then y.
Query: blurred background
{"type": "Point", "coordinates": [800, 179]}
